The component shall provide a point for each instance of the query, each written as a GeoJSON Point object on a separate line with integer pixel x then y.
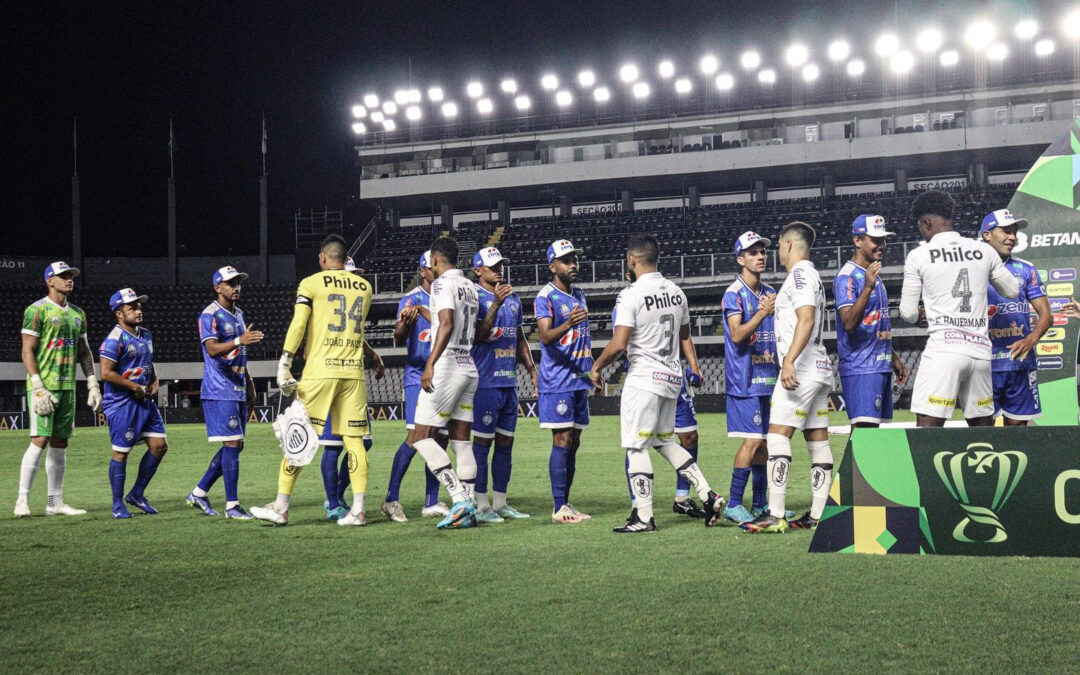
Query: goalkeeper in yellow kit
{"type": "Point", "coordinates": [330, 310]}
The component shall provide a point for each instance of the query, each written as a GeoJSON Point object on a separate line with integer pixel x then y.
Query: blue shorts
{"type": "Point", "coordinates": [868, 397]}
{"type": "Point", "coordinates": [328, 436]}
{"type": "Point", "coordinates": [1016, 394]}
{"type": "Point", "coordinates": [225, 420]}
{"type": "Point", "coordinates": [131, 421]}
{"type": "Point", "coordinates": [747, 416]}
{"type": "Point", "coordinates": [685, 416]}
{"type": "Point", "coordinates": [412, 393]}
{"type": "Point", "coordinates": [495, 411]}
{"type": "Point", "coordinates": [564, 409]}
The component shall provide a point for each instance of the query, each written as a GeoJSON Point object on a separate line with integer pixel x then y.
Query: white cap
{"type": "Point", "coordinates": [488, 257]}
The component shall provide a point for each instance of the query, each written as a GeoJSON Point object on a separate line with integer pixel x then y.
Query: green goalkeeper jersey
{"type": "Point", "coordinates": [58, 330]}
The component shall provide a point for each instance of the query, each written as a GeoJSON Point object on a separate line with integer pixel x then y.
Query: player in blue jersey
{"type": "Point", "coordinates": [127, 369]}
{"type": "Point", "coordinates": [868, 361]}
{"type": "Point", "coordinates": [414, 329]}
{"type": "Point", "coordinates": [226, 389]}
{"type": "Point", "coordinates": [500, 344]}
{"type": "Point", "coordinates": [750, 373]}
{"type": "Point", "coordinates": [1016, 382]}
{"type": "Point", "coordinates": [562, 319]}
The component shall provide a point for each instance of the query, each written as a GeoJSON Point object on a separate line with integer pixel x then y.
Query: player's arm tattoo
{"type": "Point", "coordinates": [484, 326]}
{"type": "Point", "coordinates": [86, 357]}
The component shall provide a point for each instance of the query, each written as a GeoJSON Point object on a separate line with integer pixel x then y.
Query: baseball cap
{"type": "Point", "coordinates": [59, 267]}
{"type": "Point", "coordinates": [1001, 218]}
{"type": "Point", "coordinates": [226, 273]}
{"type": "Point", "coordinates": [560, 248]}
{"type": "Point", "coordinates": [124, 296]}
{"type": "Point", "coordinates": [488, 257]}
{"type": "Point", "coordinates": [350, 266]}
{"type": "Point", "coordinates": [870, 225]}
{"type": "Point", "coordinates": [748, 239]}
{"type": "Point", "coordinates": [425, 260]}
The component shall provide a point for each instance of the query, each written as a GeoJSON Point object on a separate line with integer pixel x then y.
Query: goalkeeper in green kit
{"type": "Point", "coordinates": [53, 340]}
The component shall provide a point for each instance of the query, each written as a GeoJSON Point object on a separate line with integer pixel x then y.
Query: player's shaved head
{"type": "Point", "coordinates": [645, 248]}
{"type": "Point", "coordinates": [333, 247]}
{"type": "Point", "coordinates": [799, 234]}
{"type": "Point", "coordinates": [447, 248]}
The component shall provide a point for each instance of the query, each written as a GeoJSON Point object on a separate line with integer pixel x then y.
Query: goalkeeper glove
{"type": "Point", "coordinates": [285, 380]}
{"type": "Point", "coordinates": [94, 399]}
{"type": "Point", "coordinates": [41, 399]}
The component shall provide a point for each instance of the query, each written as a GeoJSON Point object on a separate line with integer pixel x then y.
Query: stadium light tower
{"type": "Point", "coordinates": [725, 81]}
{"type": "Point", "coordinates": [563, 98]}
{"type": "Point", "coordinates": [449, 109]}
{"type": "Point", "coordinates": [839, 50]}
{"type": "Point", "coordinates": [549, 82]}
{"type": "Point", "coordinates": [997, 52]}
{"type": "Point", "coordinates": [641, 90]}
{"type": "Point", "coordinates": [683, 85]}
{"type": "Point", "coordinates": [1071, 24]}
{"type": "Point", "coordinates": [602, 94]}
{"type": "Point", "coordinates": [767, 76]}
{"type": "Point", "coordinates": [666, 69]}
{"type": "Point", "coordinates": [371, 101]}
{"type": "Point", "coordinates": [586, 79]}
{"type": "Point", "coordinates": [359, 111]}
{"type": "Point", "coordinates": [389, 107]}
{"type": "Point", "coordinates": [412, 113]}
{"type": "Point", "coordinates": [929, 40]}
{"type": "Point", "coordinates": [1027, 29]}
{"type": "Point", "coordinates": [709, 64]}
{"type": "Point", "coordinates": [474, 90]}
{"type": "Point", "coordinates": [628, 73]}
{"type": "Point", "coordinates": [810, 72]}
{"type": "Point", "coordinates": [750, 60]}
{"type": "Point", "coordinates": [980, 34]}
{"type": "Point", "coordinates": [856, 67]}
{"type": "Point", "coordinates": [358, 128]}
{"type": "Point", "coordinates": [949, 58]}
{"type": "Point", "coordinates": [901, 62]}
{"type": "Point", "coordinates": [484, 106]}
{"type": "Point", "coordinates": [522, 102]}
{"type": "Point", "coordinates": [1044, 47]}
{"type": "Point", "coordinates": [886, 45]}
{"type": "Point", "coordinates": [435, 94]}
{"type": "Point", "coordinates": [796, 55]}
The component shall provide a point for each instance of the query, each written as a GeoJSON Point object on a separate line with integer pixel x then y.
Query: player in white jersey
{"type": "Point", "coordinates": [652, 319]}
{"type": "Point", "coordinates": [951, 275]}
{"type": "Point", "coordinates": [800, 399]}
{"type": "Point", "coordinates": [449, 383]}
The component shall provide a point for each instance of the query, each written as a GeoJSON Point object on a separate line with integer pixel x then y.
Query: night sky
{"type": "Point", "coordinates": [216, 68]}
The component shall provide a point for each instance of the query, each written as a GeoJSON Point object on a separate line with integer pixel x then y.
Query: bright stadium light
{"type": "Point", "coordinates": [522, 102]}
{"type": "Point", "coordinates": [767, 76]}
{"type": "Point", "coordinates": [929, 40]}
{"type": "Point", "coordinates": [997, 51]}
{"type": "Point", "coordinates": [750, 60]}
{"type": "Point", "coordinates": [601, 94]}
{"type": "Point", "coordinates": [810, 72]}
{"type": "Point", "coordinates": [949, 58]}
{"type": "Point", "coordinates": [839, 50]}
{"type": "Point", "coordinates": [359, 111]}
{"type": "Point", "coordinates": [586, 78]}
{"type": "Point", "coordinates": [358, 128]}
{"type": "Point", "coordinates": [377, 117]}
{"type": "Point", "coordinates": [1071, 24]}
{"type": "Point", "coordinates": [484, 106]}
{"type": "Point", "coordinates": [796, 55]}
{"type": "Point", "coordinates": [666, 69]}
{"type": "Point", "coordinates": [414, 96]}
{"type": "Point", "coordinates": [683, 86]}
{"type": "Point", "coordinates": [389, 107]}
{"type": "Point", "coordinates": [563, 98]}
{"type": "Point", "coordinates": [401, 97]}
{"type": "Point", "coordinates": [1044, 47]}
{"type": "Point", "coordinates": [640, 90]}
{"type": "Point", "coordinates": [856, 67]}
{"type": "Point", "coordinates": [449, 109]}
{"type": "Point", "coordinates": [508, 86]}
{"type": "Point", "coordinates": [371, 100]}
{"type": "Point", "coordinates": [435, 94]}
{"type": "Point", "coordinates": [1027, 29]}
{"type": "Point", "coordinates": [980, 34]}
{"type": "Point", "coordinates": [901, 62]}
{"type": "Point", "coordinates": [549, 82]}
{"type": "Point", "coordinates": [886, 45]}
{"type": "Point", "coordinates": [725, 81]}
{"type": "Point", "coordinates": [628, 73]}
{"type": "Point", "coordinates": [709, 64]}
{"type": "Point", "coordinates": [474, 90]}
{"type": "Point", "coordinates": [389, 125]}
{"type": "Point", "coordinates": [412, 113]}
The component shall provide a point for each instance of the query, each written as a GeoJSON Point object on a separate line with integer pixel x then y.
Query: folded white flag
{"type": "Point", "coordinates": [297, 437]}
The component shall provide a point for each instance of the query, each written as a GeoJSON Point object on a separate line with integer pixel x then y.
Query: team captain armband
{"type": "Point", "coordinates": [303, 300]}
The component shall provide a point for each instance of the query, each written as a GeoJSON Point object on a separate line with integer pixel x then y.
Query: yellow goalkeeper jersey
{"type": "Point", "coordinates": [330, 310]}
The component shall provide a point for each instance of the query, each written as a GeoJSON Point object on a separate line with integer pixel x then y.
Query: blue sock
{"type": "Point", "coordinates": [329, 464]}
{"type": "Point", "coordinates": [557, 469]}
{"type": "Point", "coordinates": [626, 463]}
{"type": "Point", "coordinates": [761, 485]}
{"type": "Point", "coordinates": [682, 486]}
{"type": "Point", "coordinates": [571, 467]}
{"type": "Point", "coordinates": [480, 454]}
{"type": "Point", "coordinates": [501, 462]}
{"type": "Point", "coordinates": [343, 479]}
{"type": "Point", "coordinates": [402, 458]}
{"type": "Point", "coordinates": [213, 472]}
{"type": "Point", "coordinates": [147, 468]}
{"type": "Point", "coordinates": [431, 489]}
{"type": "Point", "coordinates": [739, 476]}
{"type": "Point", "coordinates": [368, 442]}
{"type": "Point", "coordinates": [117, 476]}
{"type": "Point", "coordinates": [230, 469]}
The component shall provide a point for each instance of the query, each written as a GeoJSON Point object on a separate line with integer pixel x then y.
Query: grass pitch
{"type": "Point", "coordinates": [183, 592]}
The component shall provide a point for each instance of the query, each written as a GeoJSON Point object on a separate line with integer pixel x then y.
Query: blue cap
{"type": "Point", "coordinates": [124, 296]}
{"type": "Point", "coordinates": [226, 273]}
{"type": "Point", "coordinates": [748, 239]}
{"type": "Point", "coordinates": [350, 266]}
{"type": "Point", "coordinates": [870, 225]}
{"type": "Point", "coordinates": [488, 257]}
{"type": "Point", "coordinates": [1001, 218]}
{"type": "Point", "coordinates": [59, 267]}
{"type": "Point", "coordinates": [425, 260]}
{"type": "Point", "coordinates": [560, 248]}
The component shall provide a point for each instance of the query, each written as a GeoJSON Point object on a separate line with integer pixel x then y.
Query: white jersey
{"type": "Point", "coordinates": [803, 288]}
{"type": "Point", "coordinates": [655, 309]}
{"type": "Point", "coordinates": [951, 274]}
{"type": "Point", "coordinates": [453, 291]}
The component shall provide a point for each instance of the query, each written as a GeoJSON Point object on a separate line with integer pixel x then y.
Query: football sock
{"type": "Point", "coordinates": [281, 504]}
{"type": "Point", "coordinates": [739, 476]}
{"type": "Point", "coordinates": [641, 481]}
{"type": "Point", "coordinates": [480, 456]}
{"type": "Point", "coordinates": [557, 472]}
{"type": "Point", "coordinates": [821, 464]}
{"type": "Point", "coordinates": [431, 488]}
{"type": "Point", "coordinates": [357, 502]}
{"type": "Point", "coordinates": [230, 471]}
{"type": "Point", "coordinates": [148, 466]}
{"type": "Point", "coordinates": [439, 463]}
{"type": "Point", "coordinates": [343, 478]}
{"type": "Point", "coordinates": [501, 463]}
{"type": "Point", "coordinates": [368, 442]}
{"type": "Point", "coordinates": [287, 475]}
{"type": "Point", "coordinates": [117, 476]}
{"type": "Point", "coordinates": [466, 465]}
{"type": "Point", "coordinates": [778, 467]}
{"type": "Point", "coordinates": [398, 468]}
{"type": "Point", "coordinates": [55, 465]}
{"type": "Point", "coordinates": [628, 486]}
{"type": "Point", "coordinates": [213, 472]}
{"type": "Point", "coordinates": [481, 500]}
{"type": "Point", "coordinates": [571, 469]}
{"type": "Point", "coordinates": [329, 468]}
{"type": "Point", "coordinates": [682, 486]}
{"type": "Point", "coordinates": [687, 467]}
{"type": "Point", "coordinates": [761, 484]}
{"type": "Point", "coordinates": [358, 465]}
{"type": "Point", "coordinates": [30, 461]}
{"type": "Point", "coordinates": [498, 500]}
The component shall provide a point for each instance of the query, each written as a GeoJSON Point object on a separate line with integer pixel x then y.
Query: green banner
{"type": "Point", "coordinates": [980, 491]}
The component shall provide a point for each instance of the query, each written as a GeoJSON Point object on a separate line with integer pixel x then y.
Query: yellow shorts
{"type": "Point", "coordinates": [343, 402]}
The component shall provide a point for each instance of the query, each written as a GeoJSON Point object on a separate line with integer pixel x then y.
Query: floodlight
{"type": "Point", "coordinates": [474, 90]}
{"type": "Point", "coordinates": [683, 86]}
{"type": "Point", "coordinates": [1044, 47]}
{"type": "Point", "coordinates": [886, 45]}
{"type": "Point", "coordinates": [358, 128]}
{"type": "Point", "coordinates": [359, 111]}
{"type": "Point", "coordinates": [377, 117]}
{"type": "Point", "coordinates": [750, 60]}
{"type": "Point", "coordinates": [549, 82]}
{"type": "Point", "coordinates": [508, 86]}
{"type": "Point", "coordinates": [484, 106]}
{"type": "Point", "coordinates": [929, 40]}
{"type": "Point", "coordinates": [767, 76]}
{"type": "Point", "coordinates": [810, 72]}
{"type": "Point", "coordinates": [401, 97]}
{"type": "Point", "coordinates": [856, 67]}
{"type": "Point", "coordinates": [709, 64]}
{"type": "Point", "coordinates": [641, 89]}
{"type": "Point", "coordinates": [997, 51]}
{"type": "Point", "coordinates": [563, 98]}
{"type": "Point", "coordinates": [839, 50]}
{"type": "Point", "coordinates": [389, 125]}
{"type": "Point", "coordinates": [796, 55]}
{"type": "Point", "coordinates": [628, 73]}
{"type": "Point", "coordinates": [980, 34]}
{"type": "Point", "coordinates": [901, 62]}
{"type": "Point", "coordinates": [435, 94]}
{"type": "Point", "coordinates": [389, 107]}
{"type": "Point", "coordinates": [666, 69]}
{"type": "Point", "coordinates": [1027, 29]}
{"type": "Point", "coordinates": [950, 57]}
{"type": "Point", "coordinates": [601, 94]}
{"type": "Point", "coordinates": [414, 96]}
{"type": "Point", "coordinates": [449, 109]}
{"type": "Point", "coordinates": [1071, 24]}
{"type": "Point", "coordinates": [586, 78]}
{"type": "Point", "coordinates": [412, 113]}
{"type": "Point", "coordinates": [522, 102]}
{"type": "Point", "coordinates": [724, 81]}
{"type": "Point", "coordinates": [371, 100]}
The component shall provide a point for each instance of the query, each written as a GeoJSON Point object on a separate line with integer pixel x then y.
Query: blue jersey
{"type": "Point", "coordinates": [750, 368]}
{"type": "Point", "coordinates": [496, 358]}
{"type": "Point", "coordinates": [1010, 320]}
{"type": "Point", "coordinates": [565, 363]}
{"type": "Point", "coordinates": [867, 349]}
{"type": "Point", "coordinates": [224, 377]}
{"type": "Point", "coordinates": [418, 343]}
{"type": "Point", "coordinates": [134, 359]}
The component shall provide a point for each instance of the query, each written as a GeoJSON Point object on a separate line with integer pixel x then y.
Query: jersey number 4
{"type": "Point", "coordinates": [356, 313]}
{"type": "Point", "coordinates": [961, 288]}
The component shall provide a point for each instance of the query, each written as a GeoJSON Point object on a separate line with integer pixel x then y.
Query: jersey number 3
{"type": "Point", "coordinates": [356, 313]}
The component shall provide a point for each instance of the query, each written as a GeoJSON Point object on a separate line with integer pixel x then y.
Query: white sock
{"type": "Point", "coordinates": [821, 476]}
{"type": "Point", "coordinates": [482, 500]}
{"type": "Point", "coordinates": [30, 461]}
{"type": "Point", "coordinates": [499, 501]}
{"type": "Point", "coordinates": [281, 504]}
{"type": "Point", "coordinates": [198, 492]}
{"type": "Point", "coordinates": [55, 465]}
{"type": "Point", "coordinates": [641, 482]}
{"type": "Point", "coordinates": [231, 505]}
{"type": "Point", "coordinates": [357, 503]}
{"type": "Point", "coordinates": [778, 467]}
{"type": "Point", "coordinates": [687, 468]}
{"type": "Point", "coordinates": [439, 462]}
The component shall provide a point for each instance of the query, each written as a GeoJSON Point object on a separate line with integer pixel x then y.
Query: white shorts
{"type": "Point", "coordinates": [807, 407]}
{"type": "Point", "coordinates": [947, 381]}
{"type": "Point", "coordinates": [451, 400]}
{"type": "Point", "coordinates": [648, 419]}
